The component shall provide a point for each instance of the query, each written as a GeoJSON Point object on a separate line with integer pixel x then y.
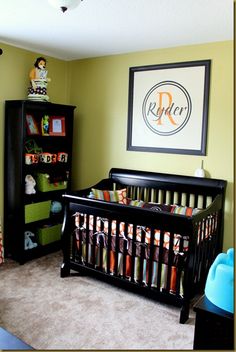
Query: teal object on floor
{"type": "Point", "coordinates": [220, 281]}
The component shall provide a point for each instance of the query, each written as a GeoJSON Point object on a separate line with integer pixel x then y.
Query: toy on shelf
{"type": "Point", "coordinates": [38, 81]}
{"type": "Point", "coordinates": [62, 157]}
{"type": "Point", "coordinates": [32, 155]}
{"type": "Point", "coordinates": [56, 207]}
{"type": "Point", "coordinates": [32, 147]}
{"type": "Point", "coordinates": [29, 244]}
{"type": "Point", "coordinates": [31, 158]}
{"type": "Point", "coordinates": [29, 184]}
{"type": "Point", "coordinates": [45, 125]}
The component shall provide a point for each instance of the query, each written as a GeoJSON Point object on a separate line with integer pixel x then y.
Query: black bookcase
{"type": "Point", "coordinates": [38, 145]}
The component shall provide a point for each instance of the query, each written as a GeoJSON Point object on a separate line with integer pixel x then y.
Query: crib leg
{"type": "Point", "coordinates": [65, 270]}
{"type": "Point", "coordinates": [184, 313]}
{"type": "Point", "coordinates": [65, 241]}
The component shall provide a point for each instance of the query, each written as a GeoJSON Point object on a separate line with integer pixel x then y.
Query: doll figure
{"type": "Point", "coordinates": [38, 81]}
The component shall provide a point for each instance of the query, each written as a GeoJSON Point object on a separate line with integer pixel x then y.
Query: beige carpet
{"type": "Point", "coordinates": [49, 312]}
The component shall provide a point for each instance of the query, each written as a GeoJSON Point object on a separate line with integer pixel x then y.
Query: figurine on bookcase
{"type": "Point", "coordinates": [29, 243]}
{"type": "Point", "coordinates": [38, 81]}
{"type": "Point", "coordinates": [30, 184]}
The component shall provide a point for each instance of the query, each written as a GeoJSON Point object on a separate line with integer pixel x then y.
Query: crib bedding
{"type": "Point", "coordinates": [136, 240]}
{"type": "Point", "coordinates": [142, 234]}
{"type": "Point", "coordinates": [94, 258]}
{"type": "Point", "coordinates": [138, 276]}
{"type": "Point", "coordinates": [141, 238]}
{"type": "Point", "coordinates": [163, 251]}
{"type": "Point", "coordinates": [120, 196]}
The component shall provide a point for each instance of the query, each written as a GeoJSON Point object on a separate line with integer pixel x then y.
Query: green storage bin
{"type": "Point", "coordinates": [37, 211]}
{"type": "Point", "coordinates": [43, 184]}
{"type": "Point", "coordinates": [49, 234]}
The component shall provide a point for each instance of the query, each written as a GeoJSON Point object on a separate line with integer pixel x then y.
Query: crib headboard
{"type": "Point", "coordinates": [170, 188]}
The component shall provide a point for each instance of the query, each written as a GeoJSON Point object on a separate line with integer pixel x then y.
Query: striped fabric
{"type": "Point", "coordinates": [130, 231]}
{"type": "Point", "coordinates": [183, 210]}
{"type": "Point", "coordinates": [118, 196]}
{"type": "Point", "coordinates": [144, 276]}
{"type": "Point", "coordinates": [136, 203]}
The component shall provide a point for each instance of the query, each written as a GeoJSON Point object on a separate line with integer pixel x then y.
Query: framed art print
{"type": "Point", "coordinates": [168, 108]}
{"type": "Point", "coordinates": [31, 125]}
{"type": "Point", "coordinates": [57, 126]}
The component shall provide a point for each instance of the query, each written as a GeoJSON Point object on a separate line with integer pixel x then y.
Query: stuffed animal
{"type": "Point", "coordinates": [38, 80]}
{"type": "Point", "coordinates": [56, 207]}
{"type": "Point", "coordinates": [29, 184]}
{"type": "Point", "coordinates": [29, 244]}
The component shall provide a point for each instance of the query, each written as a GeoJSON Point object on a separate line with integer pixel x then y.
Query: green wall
{"type": "Point", "coordinates": [99, 89]}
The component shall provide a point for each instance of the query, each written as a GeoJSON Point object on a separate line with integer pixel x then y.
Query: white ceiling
{"type": "Point", "coordinates": [108, 27]}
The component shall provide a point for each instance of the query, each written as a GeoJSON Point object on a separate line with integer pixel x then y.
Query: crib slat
{"type": "Point", "coordinates": [179, 198]}
{"type": "Point", "coordinates": [133, 255]}
{"type": "Point", "coordinates": [204, 202]}
{"type": "Point", "coordinates": [170, 261]}
{"type": "Point", "coordinates": [153, 195]}
{"type": "Point", "coordinates": [73, 247]}
{"type": "Point", "coordinates": [187, 199]}
{"type": "Point", "coordinates": [81, 221]}
{"type": "Point", "coordinates": [213, 235]}
{"type": "Point", "coordinates": [164, 196]}
{"type": "Point", "coordinates": [204, 253]}
{"type": "Point", "coordinates": [179, 267]}
{"type": "Point", "coordinates": [171, 197]}
{"type": "Point", "coordinates": [197, 266]}
{"type": "Point", "coordinates": [150, 261]}
{"type": "Point", "coordinates": [208, 246]}
{"type": "Point", "coordinates": [94, 246]}
{"type": "Point", "coordinates": [160, 259]}
{"type": "Point", "coordinates": [108, 264]}
{"type": "Point", "coordinates": [117, 248]}
{"type": "Point", "coordinates": [195, 201]}
{"type": "Point", "coordinates": [125, 250]}
{"type": "Point", "coordinates": [87, 239]}
{"type": "Point", "coordinates": [100, 248]}
{"type": "Point", "coordinates": [142, 254]}
{"type": "Point", "coordinates": [146, 194]}
{"type": "Point", "coordinates": [196, 256]}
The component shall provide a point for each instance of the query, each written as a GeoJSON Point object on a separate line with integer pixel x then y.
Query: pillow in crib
{"type": "Point", "coordinates": [149, 205]}
{"type": "Point", "coordinates": [184, 210]}
{"type": "Point", "coordinates": [135, 203]}
{"type": "Point", "coordinates": [158, 207]}
{"type": "Point", "coordinates": [118, 196]}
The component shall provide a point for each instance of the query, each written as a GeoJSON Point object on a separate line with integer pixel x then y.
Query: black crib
{"type": "Point", "coordinates": [168, 273]}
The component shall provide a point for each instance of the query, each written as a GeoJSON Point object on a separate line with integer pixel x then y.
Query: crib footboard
{"type": "Point", "coordinates": [162, 256]}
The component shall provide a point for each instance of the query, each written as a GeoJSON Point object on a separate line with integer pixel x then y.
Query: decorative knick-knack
{"type": "Point", "coordinates": [38, 81]}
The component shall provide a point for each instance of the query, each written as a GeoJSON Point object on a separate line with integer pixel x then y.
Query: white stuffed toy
{"type": "Point", "coordinates": [29, 184]}
{"type": "Point", "coordinates": [29, 244]}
